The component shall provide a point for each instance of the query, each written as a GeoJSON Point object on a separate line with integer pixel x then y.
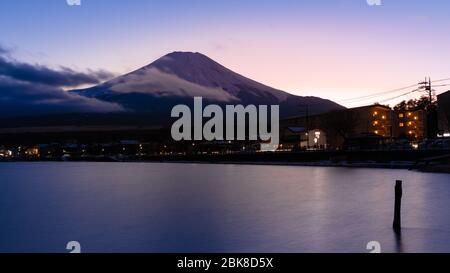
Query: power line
{"type": "Point", "coordinates": [437, 93]}
{"type": "Point", "coordinates": [399, 96]}
{"type": "Point", "coordinates": [442, 80]}
{"type": "Point", "coordinates": [441, 85]}
{"type": "Point", "coordinates": [376, 94]}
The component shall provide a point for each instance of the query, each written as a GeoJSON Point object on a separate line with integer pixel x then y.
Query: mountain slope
{"type": "Point", "coordinates": [179, 76]}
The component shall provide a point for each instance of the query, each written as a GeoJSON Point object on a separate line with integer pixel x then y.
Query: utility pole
{"type": "Point", "coordinates": [431, 112]}
{"type": "Point", "coordinates": [306, 112]}
{"type": "Point", "coordinates": [426, 86]}
{"type": "Point", "coordinates": [430, 90]}
{"type": "Point", "coordinates": [307, 125]}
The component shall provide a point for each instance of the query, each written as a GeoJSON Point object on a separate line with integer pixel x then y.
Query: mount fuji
{"type": "Point", "coordinates": [179, 76]}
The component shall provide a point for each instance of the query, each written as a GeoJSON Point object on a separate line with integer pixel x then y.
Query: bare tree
{"type": "Point", "coordinates": [342, 122]}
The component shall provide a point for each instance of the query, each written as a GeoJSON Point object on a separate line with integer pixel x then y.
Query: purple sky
{"type": "Point", "coordinates": [336, 49]}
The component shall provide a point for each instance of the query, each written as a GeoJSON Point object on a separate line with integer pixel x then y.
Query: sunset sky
{"type": "Point", "coordinates": [336, 49]}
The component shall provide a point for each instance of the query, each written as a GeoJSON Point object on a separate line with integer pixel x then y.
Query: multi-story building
{"type": "Point", "coordinates": [444, 114]}
{"type": "Point", "coordinates": [378, 123]}
{"type": "Point", "coordinates": [375, 119]}
{"type": "Point", "coordinates": [410, 124]}
{"type": "Point", "coordinates": [337, 126]}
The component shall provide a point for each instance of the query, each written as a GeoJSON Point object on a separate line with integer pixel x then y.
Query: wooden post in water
{"type": "Point", "coordinates": [398, 204]}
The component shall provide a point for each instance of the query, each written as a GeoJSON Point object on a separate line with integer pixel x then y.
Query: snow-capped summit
{"type": "Point", "coordinates": [180, 76]}
{"type": "Point", "coordinates": [200, 69]}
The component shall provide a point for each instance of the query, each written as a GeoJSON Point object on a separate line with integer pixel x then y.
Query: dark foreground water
{"type": "Point", "coordinates": [142, 207]}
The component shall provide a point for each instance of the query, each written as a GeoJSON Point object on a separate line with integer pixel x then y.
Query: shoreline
{"type": "Point", "coordinates": [399, 165]}
{"type": "Point", "coordinates": [421, 160]}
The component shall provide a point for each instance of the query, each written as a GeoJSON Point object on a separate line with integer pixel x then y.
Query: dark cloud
{"type": "Point", "coordinates": [36, 89]}
{"type": "Point", "coordinates": [63, 77]}
{"type": "Point", "coordinates": [3, 50]}
{"type": "Point", "coordinates": [23, 98]}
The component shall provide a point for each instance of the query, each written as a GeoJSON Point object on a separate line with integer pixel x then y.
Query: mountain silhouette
{"type": "Point", "coordinates": [179, 76]}
{"type": "Point", "coordinates": [146, 96]}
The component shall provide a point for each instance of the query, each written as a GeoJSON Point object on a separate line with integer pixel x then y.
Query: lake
{"type": "Point", "coordinates": [158, 207]}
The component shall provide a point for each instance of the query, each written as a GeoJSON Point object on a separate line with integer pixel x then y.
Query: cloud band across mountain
{"type": "Point", "coordinates": [64, 77]}
{"type": "Point", "coordinates": [23, 98]}
{"type": "Point", "coordinates": [36, 89]}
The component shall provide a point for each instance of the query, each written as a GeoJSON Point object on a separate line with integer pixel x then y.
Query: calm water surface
{"type": "Point", "coordinates": [142, 207]}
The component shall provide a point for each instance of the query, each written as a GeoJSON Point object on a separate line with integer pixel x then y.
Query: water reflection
{"type": "Point", "coordinates": [138, 207]}
{"type": "Point", "coordinates": [398, 242]}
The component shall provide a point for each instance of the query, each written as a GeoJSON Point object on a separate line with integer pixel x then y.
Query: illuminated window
{"type": "Point", "coordinates": [401, 115]}
{"type": "Point", "coordinates": [409, 114]}
{"type": "Point", "coordinates": [375, 113]}
{"type": "Point", "coordinates": [375, 122]}
{"type": "Point", "coordinates": [376, 132]}
{"type": "Point", "coordinates": [383, 117]}
{"type": "Point", "coordinates": [416, 118]}
{"type": "Point", "coordinates": [410, 132]}
{"type": "Point", "coordinates": [410, 123]}
{"type": "Point", "coordinates": [402, 124]}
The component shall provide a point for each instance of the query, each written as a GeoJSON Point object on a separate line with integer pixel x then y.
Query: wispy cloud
{"type": "Point", "coordinates": [63, 77]}
{"type": "Point", "coordinates": [17, 97]}
{"type": "Point", "coordinates": [34, 89]}
{"type": "Point", "coordinates": [3, 50]}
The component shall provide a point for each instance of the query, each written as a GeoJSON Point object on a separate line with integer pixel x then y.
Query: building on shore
{"type": "Point", "coordinates": [410, 124]}
{"type": "Point", "coordinates": [444, 114]}
{"type": "Point", "coordinates": [301, 138]}
{"type": "Point", "coordinates": [375, 119]}
{"type": "Point", "coordinates": [4, 153]}
{"type": "Point", "coordinates": [367, 126]}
